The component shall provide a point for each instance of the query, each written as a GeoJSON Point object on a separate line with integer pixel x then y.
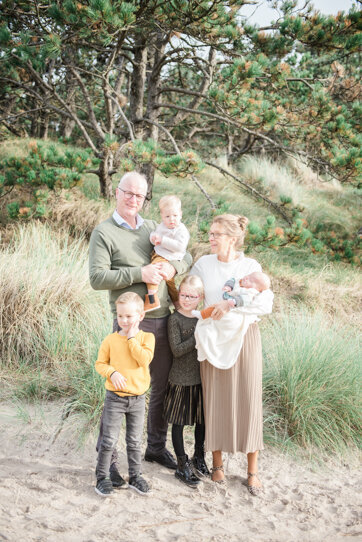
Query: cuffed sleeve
{"type": "Point", "coordinates": [183, 265]}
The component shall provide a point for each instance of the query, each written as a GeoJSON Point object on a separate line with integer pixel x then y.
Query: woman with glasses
{"type": "Point", "coordinates": [233, 396]}
{"type": "Point", "coordinates": [183, 401]}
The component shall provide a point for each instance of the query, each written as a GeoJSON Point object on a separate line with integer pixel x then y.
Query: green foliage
{"type": "Point", "coordinates": [143, 152]}
{"type": "Point", "coordinates": [41, 171]}
{"type": "Point", "coordinates": [312, 382]}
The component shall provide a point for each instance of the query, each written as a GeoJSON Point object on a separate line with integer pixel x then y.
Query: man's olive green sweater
{"type": "Point", "coordinates": [116, 256]}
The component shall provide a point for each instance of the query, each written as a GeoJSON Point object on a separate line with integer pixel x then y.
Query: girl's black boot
{"type": "Point", "coordinates": [185, 473]}
{"type": "Point", "coordinates": [199, 462]}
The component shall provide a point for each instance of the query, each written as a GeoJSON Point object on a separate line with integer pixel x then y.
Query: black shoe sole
{"type": "Point", "coordinates": [188, 484]}
{"type": "Point", "coordinates": [151, 460]}
{"type": "Point", "coordinates": [103, 494]}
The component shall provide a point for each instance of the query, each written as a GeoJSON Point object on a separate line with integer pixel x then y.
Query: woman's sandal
{"type": "Point", "coordinates": [215, 469]}
{"type": "Point", "coordinates": [254, 490]}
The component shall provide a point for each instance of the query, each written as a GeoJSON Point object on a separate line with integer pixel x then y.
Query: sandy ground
{"type": "Point", "coordinates": [47, 494]}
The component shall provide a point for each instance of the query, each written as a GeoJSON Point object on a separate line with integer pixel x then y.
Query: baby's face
{"type": "Point", "coordinates": [249, 281]}
{"type": "Point", "coordinates": [171, 217]}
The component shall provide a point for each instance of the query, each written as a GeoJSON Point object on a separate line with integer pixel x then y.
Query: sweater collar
{"type": "Point", "coordinates": [122, 222]}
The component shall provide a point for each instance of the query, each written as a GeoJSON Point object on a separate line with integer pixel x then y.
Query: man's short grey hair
{"type": "Point", "coordinates": [132, 175]}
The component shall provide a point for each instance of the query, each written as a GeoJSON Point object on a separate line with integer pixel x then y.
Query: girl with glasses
{"type": "Point", "coordinates": [183, 401]}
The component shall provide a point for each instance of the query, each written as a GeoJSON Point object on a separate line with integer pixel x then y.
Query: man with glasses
{"type": "Point", "coordinates": [119, 261]}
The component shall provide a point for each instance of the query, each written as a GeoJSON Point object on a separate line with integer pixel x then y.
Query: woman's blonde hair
{"type": "Point", "coordinates": [234, 225]}
{"type": "Point", "coordinates": [195, 282]}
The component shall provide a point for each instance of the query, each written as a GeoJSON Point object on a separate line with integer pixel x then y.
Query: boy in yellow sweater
{"type": "Point", "coordinates": [123, 359]}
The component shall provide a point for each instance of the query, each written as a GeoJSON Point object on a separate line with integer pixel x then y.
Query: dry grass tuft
{"type": "Point", "coordinates": [74, 211]}
{"type": "Point", "coordinates": [45, 295]}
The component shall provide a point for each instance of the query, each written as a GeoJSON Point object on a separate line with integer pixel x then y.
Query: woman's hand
{"type": "Point", "coordinates": [220, 310]}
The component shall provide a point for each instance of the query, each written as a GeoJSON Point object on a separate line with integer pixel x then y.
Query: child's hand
{"type": "Point", "coordinates": [157, 239]}
{"type": "Point", "coordinates": [226, 289]}
{"type": "Point", "coordinates": [118, 381]}
{"type": "Point", "coordinates": [133, 330]}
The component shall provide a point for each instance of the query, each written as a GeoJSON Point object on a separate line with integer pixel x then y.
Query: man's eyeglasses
{"type": "Point", "coordinates": [213, 235]}
{"type": "Point", "coordinates": [191, 297]}
{"type": "Point", "coordinates": [129, 195]}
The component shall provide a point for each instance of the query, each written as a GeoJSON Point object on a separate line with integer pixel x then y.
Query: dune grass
{"type": "Point", "coordinates": [52, 322]}
{"type": "Point", "coordinates": [312, 382]}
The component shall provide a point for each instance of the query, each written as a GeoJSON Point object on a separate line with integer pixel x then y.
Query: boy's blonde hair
{"type": "Point", "coordinates": [195, 282]}
{"type": "Point", "coordinates": [131, 297]}
{"type": "Point", "coordinates": [169, 201]}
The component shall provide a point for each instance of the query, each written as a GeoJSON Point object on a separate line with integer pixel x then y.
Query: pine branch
{"type": "Point", "coordinates": [124, 117]}
{"type": "Point", "coordinates": [195, 180]}
{"type": "Point", "coordinates": [88, 102]}
{"type": "Point", "coordinates": [253, 191]}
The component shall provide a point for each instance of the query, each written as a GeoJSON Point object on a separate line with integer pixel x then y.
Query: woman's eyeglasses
{"type": "Point", "coordinates": [190, 297]}
{"type": "Point", "coordinates": [129, 195]}
{"type": "Point", "coordinates": [213, 235]}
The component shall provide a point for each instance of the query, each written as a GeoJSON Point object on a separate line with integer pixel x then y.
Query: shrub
{"type": "Point", "coordinates": [35, 176]}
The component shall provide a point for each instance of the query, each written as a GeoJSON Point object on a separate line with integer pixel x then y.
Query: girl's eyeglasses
{"type": "Point", "coordinates": [191, 297]}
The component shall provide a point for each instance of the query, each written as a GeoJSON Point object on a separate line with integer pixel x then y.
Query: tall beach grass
{"type": "Point", "coordinates": [52, 322]}
{"type": "Point", "coordinates": [312, 382]}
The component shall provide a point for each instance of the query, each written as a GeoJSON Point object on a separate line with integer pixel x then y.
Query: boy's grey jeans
{"type": "Point", "coordinates": [115, 407]}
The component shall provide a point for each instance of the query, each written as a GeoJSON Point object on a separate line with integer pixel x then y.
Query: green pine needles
{"type": "Point", "coordinates": [43, 170]}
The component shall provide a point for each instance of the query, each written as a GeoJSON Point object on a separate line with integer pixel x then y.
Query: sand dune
{"type": "Point", "coordinates": [47, 494]}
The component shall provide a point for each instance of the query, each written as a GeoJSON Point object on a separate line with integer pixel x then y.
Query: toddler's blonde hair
{"type": "Point", "coordinates": [262, 279]}
{"type": "Point", "coordinates": [169, 201]}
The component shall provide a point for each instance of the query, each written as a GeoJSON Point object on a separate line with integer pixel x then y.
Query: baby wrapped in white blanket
{"type": "Point", "coordinates": [220, 341]}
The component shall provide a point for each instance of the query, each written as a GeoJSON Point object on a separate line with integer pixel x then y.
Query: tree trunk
{"type": "Point", "coordinates": [44, 125]}
{"type": "Point", "coordinates": [229, 151]}
{"type": "Point", "coordinates": [138, 87]}
{"type": "Point", "coordinates": [105, 179]}
{"type": "Point", "coordinates": [154, 65]}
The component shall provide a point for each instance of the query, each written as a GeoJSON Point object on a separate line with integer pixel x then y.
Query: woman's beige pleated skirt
{"type": "Point", "coordinates": [233, 406]}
